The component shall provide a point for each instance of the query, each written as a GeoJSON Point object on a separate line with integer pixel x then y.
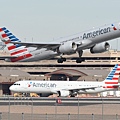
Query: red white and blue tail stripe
{"type": "Point", "coordinates": [21, 52]}
{"type": "Point", "coordinates": [112, 79]}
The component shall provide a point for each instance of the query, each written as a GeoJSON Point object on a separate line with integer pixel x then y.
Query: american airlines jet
{"type": "Point", "coordinates": [66, 88]}
{"type": "Point", "coordinates": [94, 39]}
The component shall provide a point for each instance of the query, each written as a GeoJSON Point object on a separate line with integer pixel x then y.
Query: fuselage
{"type": "Point", "coordinates": [55, 86]}
{"type": "Point", "coordinates": [85, 39]}
{"type": "Point", "coordinates": [40, 54]}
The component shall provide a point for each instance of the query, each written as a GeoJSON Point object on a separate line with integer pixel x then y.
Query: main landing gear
{"type": "Point", "coordinates": [61, 60]}
{"type": "Point", "coordinates": [78, 60]}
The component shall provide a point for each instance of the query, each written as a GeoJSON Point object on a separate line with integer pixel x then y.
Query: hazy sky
{"type": "Point", "coordinates": [45, 20]}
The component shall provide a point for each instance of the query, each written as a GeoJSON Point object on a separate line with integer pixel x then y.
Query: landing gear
{"type": "Point", "coordinates": [61, 60]}
{"type": "Point", "coordinates": [79, 60]}
{"type": "Point", "coordinates": [73, 94]}
{"type": "Point", "coordinates": [80, 53]}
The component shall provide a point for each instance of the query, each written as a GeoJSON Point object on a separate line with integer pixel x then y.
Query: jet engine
{"type": "Point", "coordinates": [68, 47]}
{"type": "Point", "coordinates": [7, 60]}
{"type": "Point", "coordinates": [101, 47]}
{"type": "Point", "coordinates": [64, 93]}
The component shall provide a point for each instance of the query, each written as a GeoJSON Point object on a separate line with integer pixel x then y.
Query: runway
{"type": "Point", "coordinates": [43, 101]}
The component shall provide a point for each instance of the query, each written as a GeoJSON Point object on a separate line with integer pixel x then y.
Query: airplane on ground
{"type": "Point", "coordinates": [94, 39]}
{"type": "Point", "coordinates": [66, 88]}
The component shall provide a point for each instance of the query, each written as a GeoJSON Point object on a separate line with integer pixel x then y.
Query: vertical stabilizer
{"type": "Point", "coordinates": [21, 52]}
{"type": "Point", "coordinates": [111, 80]}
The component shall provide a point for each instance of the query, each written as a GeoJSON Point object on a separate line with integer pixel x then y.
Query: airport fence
{"type": "Point", "coordinates": [59, 109]}
{"type": "Point", "coordinates": [25, 116]}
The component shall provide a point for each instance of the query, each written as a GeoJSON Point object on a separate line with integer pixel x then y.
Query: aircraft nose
{"type": "Point", "coordinates": [11, 88]}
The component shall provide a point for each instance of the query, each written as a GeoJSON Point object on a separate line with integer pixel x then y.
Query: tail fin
{"type": "Point", "coordinates": [14, 49]}
{"type": "Point", "coordinates": [112, 79]}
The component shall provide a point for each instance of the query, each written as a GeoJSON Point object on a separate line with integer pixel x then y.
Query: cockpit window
{"type": "Point", "coordinates": [16, 84]}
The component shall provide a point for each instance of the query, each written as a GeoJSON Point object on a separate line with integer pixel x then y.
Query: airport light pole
{"type": "Point", "coordinates": [32, 108]}
{"type": "Point", "coordinates": [9, 109]}
{"type": "Point", "coordinates": [78, 109]}
{"type": "Point", "coordinates": [92, 116]}
{"type": "Point", "coordinates": [22, 116]}
{"type": "Point", "coordinates": [56, 101]}
{"type": "Point", "coordinates": [0, 115]}
{"type": "Point", "coordinates": [116, 116]}
{"type": "Point", "coordinates": [102, 110]}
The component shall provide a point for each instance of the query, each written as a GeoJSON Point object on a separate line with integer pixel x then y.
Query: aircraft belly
{"type": "Point", "coordinates": [40, 56]}
{"type": "Point", "coordinates": [48, 55]}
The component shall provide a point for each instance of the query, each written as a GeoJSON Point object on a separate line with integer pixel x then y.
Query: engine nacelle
{"type": "Point", "coordinates": [64, 93]}
{"type": "Point", "coordinates": [101, 47]}
{"type": "Point", "coordinates": [7, 60]}
{"type": "Point", "coordinates": [68, 47]}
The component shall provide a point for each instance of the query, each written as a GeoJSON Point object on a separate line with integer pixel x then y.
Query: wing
{"type": "Point", "coordinates": [83, 88]}
{"type": "Point", "coordinates": [49, 45]}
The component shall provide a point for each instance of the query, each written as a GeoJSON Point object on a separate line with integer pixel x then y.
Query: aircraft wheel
{"type": "Point", "coordinates": [60, 60]}
{"type": "Point", "coordinates": [78, 60]}
{"type": "Point", "coordinates": [64, 59]}
{"type": "Point", "coordinates": [72, 95]}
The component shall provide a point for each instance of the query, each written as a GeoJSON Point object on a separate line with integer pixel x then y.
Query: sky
{"type": "Point", "coordinates": [46, 20]}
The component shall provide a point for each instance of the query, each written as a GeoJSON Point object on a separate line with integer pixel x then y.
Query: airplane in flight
{"type": "Point", "coordinates": [94, 39]}
{"type": "Point", "coordinates": [68, 88]}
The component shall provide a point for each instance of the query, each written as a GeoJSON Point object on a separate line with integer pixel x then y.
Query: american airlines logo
{"type": "Point", "coordinates": [46, 85]}
{"type": "Point", "coordinates": [96, 33]}
{"type": "Point", "coordinates": [29, 84]}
